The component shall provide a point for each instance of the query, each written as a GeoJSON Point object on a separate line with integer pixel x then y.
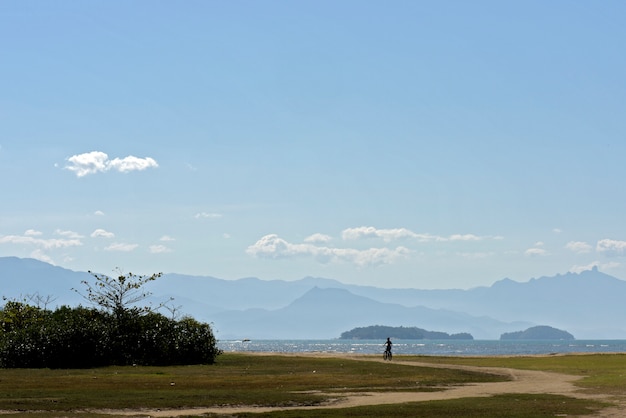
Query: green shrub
{"type": "Point", "coordinates": [118, 332]}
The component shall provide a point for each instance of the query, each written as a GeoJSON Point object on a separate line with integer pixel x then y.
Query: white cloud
{"type": "Point", "coordinates": [98, 213]}
{"type": "Point", "coordinates": [389, 235]}
{"type": "Point", "coordinates": [579, 247]}
{"type": "Point", "coordinates": [317, 246]}
{"type": "Point", "coordinates": [611, 247]}
{"type": "Point", "coordinates": [131, 163]}
{"type": "Point", "coordinates": [41, 256]}
{"type": "Point", "coordinates": [41, 245]}
{"type": "Point", "coordinates": [88, 163]}
{"type": "Point", "coordinates": [68, 234]}
{"type": "Point", "coordinates": [101, 233]}
{"type": "Point", "coordinates": [207, 215]}
{"type": "Point", "coordinates": [580, 269]}
{"type": "Point", "coordinates": [318, 238]}
{"type": "Point", "coordinates": [373, 256]}
{"type": "Point", "coordinates": [601, 266]}
{"type": "Point", "coordinates": [272, 246]}
{"type": "Point", "coordinates": [98, 162]}
{"type": "Point", "coordinates": [121, 247]}
{"type": "Point", "coordinates": [371, 232]}
{"type": "Point", "coordinates": [40, 242]}
{"type": "Point", "coordinates": [557, 230]}
{"type": "Point", "coordinates": [159, 249]}
{"type": "Point", "coordinates": [166, 238]}
{"type": "Point", "coordinates": [611, 265]}
{"type": "Point", "coordinates": [465, 237]}
{"type": "Point", "coordinates": [535, 252]}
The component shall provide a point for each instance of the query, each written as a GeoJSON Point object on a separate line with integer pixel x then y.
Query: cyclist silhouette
{"type": "Point", "coordinates": [387, 354]}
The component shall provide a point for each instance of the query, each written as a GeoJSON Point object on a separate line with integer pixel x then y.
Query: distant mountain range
{"type": "Point", "coordinates": [589, 305]}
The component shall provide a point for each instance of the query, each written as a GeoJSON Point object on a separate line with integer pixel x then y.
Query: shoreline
{"type": "Point", "coordinates": [445, 348]}
{"type": "Point", "coordinates": [322, 354]}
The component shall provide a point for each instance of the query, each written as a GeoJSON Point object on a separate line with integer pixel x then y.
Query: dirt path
{"type": "Point", "coordinates": [522, 381]}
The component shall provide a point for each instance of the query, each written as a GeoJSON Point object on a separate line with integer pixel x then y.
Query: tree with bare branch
{"type": "Point", "coordinates": [119, 295]}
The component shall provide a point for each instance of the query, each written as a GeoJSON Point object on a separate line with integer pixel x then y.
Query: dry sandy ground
{"type": "Point", "coordinates": [522, 381]}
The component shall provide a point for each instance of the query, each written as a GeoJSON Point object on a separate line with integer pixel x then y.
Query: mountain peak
{"type": "Point", "coordinates": [589, 303]}
{"type": "Point", "coordinates": [329, 295]}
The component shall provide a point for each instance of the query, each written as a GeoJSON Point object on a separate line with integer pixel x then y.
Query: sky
{"type": "Point", "coordinates": [422, 144]}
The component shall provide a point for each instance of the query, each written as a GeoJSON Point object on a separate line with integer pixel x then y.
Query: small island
{"type": "Point", "coordinates": [541, 332]}
{"type": "Point", "coordinates": [377, 332]}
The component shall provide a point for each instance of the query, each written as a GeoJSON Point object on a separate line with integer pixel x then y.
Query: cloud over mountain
{"type": "Point", "coordinates": [272, 246]}
{"type": "Point", "coordinates": [159, 249]}
{"type": "Point", "coordinates": [40, 242]}
{"type": "Point", "coordinates": [393, 234]}
{"type": "Point", "coordinates": [611, 247]}
{"type": "Point", "coordinates": [386, 234]}
{"type": "Point", "coordinates": [102, 233]}
{"type": "Point", "coordinates": [121, 247]}
{"type": "Point", "coordinates": [579, 247]}
{"type": "Point", "coordinates": [318, 246]}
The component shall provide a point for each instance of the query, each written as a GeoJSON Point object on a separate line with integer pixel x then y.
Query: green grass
{"type": "Point", "coordinates": [235, 379]}
{"type": "Point", "coordinates": [604, 373]}
{"type": "Point", "coordinates": [500, 406]}
{"type": "Point", "coordinates": [243, 379]}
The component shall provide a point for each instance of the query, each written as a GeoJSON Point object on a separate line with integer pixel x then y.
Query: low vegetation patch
{"type": "Point", "coordinates": [237, 379]}
{"type": "Point", "coordinates": [499, 406]}
{"type": "Point", "coordinates": [603, 373]}
{"type": "Point", "coordinates": [272, 380]}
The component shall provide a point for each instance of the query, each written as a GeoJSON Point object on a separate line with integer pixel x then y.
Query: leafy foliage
{"type": "Point", "coordinates": [118, 332]}
{"type": "Point", "coordinates": [118, 295]}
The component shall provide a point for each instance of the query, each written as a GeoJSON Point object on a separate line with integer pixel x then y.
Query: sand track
{"type": "Point", "coordinates": [521, 381]}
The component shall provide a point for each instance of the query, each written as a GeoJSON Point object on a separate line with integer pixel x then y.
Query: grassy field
{"type": "Point", "coordinates": [604, 373]}
{"type": "Point", "coordinates": [275, 380]}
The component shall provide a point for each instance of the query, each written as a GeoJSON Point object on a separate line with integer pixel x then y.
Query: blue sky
{"type": "Point", "coordinates": [442, 144]}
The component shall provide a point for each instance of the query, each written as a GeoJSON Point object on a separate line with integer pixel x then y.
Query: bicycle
{"type": "Point", "coordinates": [387, 355]}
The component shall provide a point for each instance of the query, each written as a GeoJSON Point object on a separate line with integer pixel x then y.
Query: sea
{"type": "Point", "coordinates": [428, 347]}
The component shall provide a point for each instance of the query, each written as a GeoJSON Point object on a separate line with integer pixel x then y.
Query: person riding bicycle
{"type": "Point", "coordinates": [388, 344]}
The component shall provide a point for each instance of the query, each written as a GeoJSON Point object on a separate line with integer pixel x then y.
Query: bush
{"type": "Point", "coordinates": [118, 333]}
{"type": "Point", "coordinates": [86, 337]}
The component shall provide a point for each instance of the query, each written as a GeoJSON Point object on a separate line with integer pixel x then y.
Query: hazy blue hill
{"type": "Point", "coordinates": [316, 314]}
{"type": "Point", "coordinates": [20, 277]}
{"type": "Point", "coordinates": [379, 332]}
{"type": "Point", "coordinates": [238, 294]}
{"type": "Point", "coordinates": [541, 332]}
{"type": "Point", "coordinates": [326, 313]}
{"type": "Point", "coordinates": [588, 304]}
